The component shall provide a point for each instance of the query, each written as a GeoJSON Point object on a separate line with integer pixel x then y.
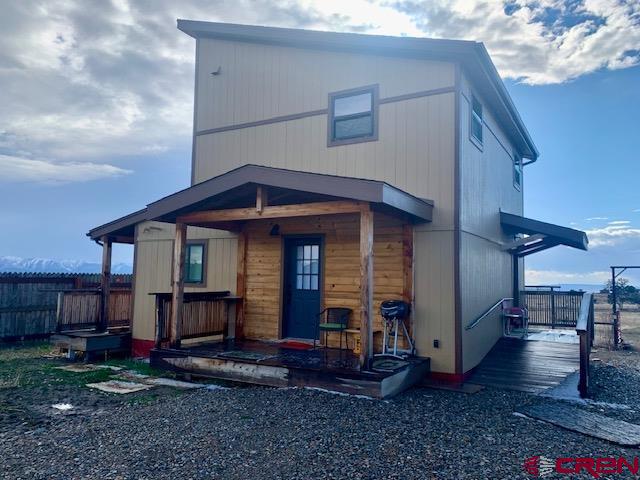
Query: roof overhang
{"type": "Point", "coordinates": [540, 235]}
{"type": "Point", "coordinates": [473, 56]}
{"type": "Point", "coordinates": [234, 189]}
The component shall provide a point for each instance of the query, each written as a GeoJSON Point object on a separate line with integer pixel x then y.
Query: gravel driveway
{"type": "Point", "coordinates": [254, 432]}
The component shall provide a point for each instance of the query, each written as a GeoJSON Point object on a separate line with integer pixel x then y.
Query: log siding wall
{"type": "Point", "coordinates": [341, 272]}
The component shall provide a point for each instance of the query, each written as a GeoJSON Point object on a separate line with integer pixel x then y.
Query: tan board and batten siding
{"type": "Point", "coordinates": [154, 251]}
{"type": "Point", "coordinates": [415, 152]}
{"type": "Point", "coordinates": [485, 269]}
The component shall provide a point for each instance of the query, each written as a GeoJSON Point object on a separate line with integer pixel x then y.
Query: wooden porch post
{"type": "Point", "coordinates": [366, 286]}
{"type": "Point", "coordinates": [105, 285]}
{"type": "Point", "coordinates": [241, 282]}
{"type": "Point", "coordinates": [177, 284]}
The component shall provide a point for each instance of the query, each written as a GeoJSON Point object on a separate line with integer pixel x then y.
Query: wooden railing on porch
{"type": "Point", "coordinates": [552, 309]}
{"type": "Point", "coordinates": [80, 309]}
{"type": "Point", "coordinates": [585, 330]}
{"type": "Point", "coordinates": [203, 315]}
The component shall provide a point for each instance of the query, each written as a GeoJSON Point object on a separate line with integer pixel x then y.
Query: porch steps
{"type": "Point", "coordinates": [275, 373]}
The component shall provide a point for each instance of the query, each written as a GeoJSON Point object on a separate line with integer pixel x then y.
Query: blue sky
{"type": "Point", "coordinates": [98, 95]}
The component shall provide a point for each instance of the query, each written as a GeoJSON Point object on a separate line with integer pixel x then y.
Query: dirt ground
{"type": "Point", "coordinates": [30, 383]}
{"type": "Point", "coordinates": [258, 432]}
{"type": "Point", "coordinates": [629, 324]}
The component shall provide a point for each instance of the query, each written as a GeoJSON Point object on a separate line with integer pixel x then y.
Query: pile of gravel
{"type": "Point", "coordinates": [293, 434]}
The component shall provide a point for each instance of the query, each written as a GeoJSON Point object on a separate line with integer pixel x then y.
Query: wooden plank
{"type": "Point", "coordinates": [105, 285]}
{"type": "Point", "coordinates": [177, 284]}
{"type": "Point", "coordinates": [366, 287]}
{"type": "Point", "coordinates": [585, 422]}
{"type": "Point", "coordinates": [527, 365]}
{"type": "Point", "coordinates": [241, 284]}
{"type": "Point", "coordinates": [261, 198]}
{"type": "Point", "coordinates": [280, 211]}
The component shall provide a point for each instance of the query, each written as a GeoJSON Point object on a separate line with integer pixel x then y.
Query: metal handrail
{"type": "Point", "coordinates": [486, 313]}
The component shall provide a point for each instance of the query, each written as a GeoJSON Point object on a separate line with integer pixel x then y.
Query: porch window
{"type": "Point", "coordinates": [353, 116]}
{"type": "Point", "coordinates": [476, 121]}
{"type": "Point", "coordinates": [517, 171]}
{"type": "Point", "coordinates": [194, 263]}
{"type": "Point", "coordinates": [307, 267]}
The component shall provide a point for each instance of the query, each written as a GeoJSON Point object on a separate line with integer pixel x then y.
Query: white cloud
{"type": "Point", "coordinates": [83, 81]}
{"type": "Point", "coordinates": [15, 169]}
{"type": "Point", "coordinates": [552, 277]}
{"type": "Point", "coordinates": [614, 234]}
{"type": "Point", "coordinates": [619, 222]}
{"type": "Point", "coordinates": [538, 41]}
{"type": "Point", "coordinates": [591, 219]}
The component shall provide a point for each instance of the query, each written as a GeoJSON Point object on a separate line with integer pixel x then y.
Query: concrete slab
{"type": "Point", "coordinates": [119, 386]}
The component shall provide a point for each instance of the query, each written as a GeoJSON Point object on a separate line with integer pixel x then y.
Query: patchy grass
{"type": "Point", "coordinates": [140, 367]}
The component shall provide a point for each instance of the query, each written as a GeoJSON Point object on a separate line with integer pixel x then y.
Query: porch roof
{"type": "Point", "coordinates": [541, 235]}
{"type": "Point", "coordinates": [237, 189]}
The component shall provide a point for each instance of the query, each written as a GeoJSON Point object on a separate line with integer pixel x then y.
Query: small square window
{"type": "Point", "coordinates": [353, 116]}
{"type": "Point", "coordinates": [517, 171]}
{"type": "Point", "coordinates": [476, 120]}
{"type": "Point", "coordinates": [194, 262]}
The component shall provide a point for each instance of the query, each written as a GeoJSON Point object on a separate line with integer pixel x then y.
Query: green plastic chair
{"type": "Point", "coordinates": [336, 319]}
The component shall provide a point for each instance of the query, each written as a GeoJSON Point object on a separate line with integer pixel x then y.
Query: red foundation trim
{"type": "Point", "coordinates": [451, 377]}
{"type": "Point", "coordinates": [141, 348]}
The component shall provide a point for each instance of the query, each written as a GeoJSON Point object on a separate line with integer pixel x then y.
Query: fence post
{"type": "Point", "coordinates": [59, 312]}
{"type": "Point", "coordinates": [553, 309]}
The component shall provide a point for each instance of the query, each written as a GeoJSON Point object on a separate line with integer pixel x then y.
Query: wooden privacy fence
{"type": "Point", "coordinates": [552, 309]}
{"type": "Point", "coordinates": [78, 309]}
{"type": "Point", "coordinates": [28, 301]}
{"type": "Point", "coordinates": [203, 315]}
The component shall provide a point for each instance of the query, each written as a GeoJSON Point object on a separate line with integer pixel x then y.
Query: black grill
{"type": "Point", "coordinates": [391, 309]}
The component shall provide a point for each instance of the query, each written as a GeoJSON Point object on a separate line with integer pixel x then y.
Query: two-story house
{"type": "Point", "coordinates": [335, 170]}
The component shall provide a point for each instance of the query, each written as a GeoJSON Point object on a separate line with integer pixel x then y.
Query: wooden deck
{"type": "Point", "coordinates": [529, 366]}
{"type": "Point", "coordinates": [272, 364]}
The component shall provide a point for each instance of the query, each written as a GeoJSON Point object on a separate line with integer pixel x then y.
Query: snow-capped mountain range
{"type": "Point", "coordinates": [47, 265]}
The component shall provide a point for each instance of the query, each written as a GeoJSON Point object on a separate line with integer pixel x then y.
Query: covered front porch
{"type": "Point", "coordinates": [305, 243]}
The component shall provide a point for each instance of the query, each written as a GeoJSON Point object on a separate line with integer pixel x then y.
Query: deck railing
{"type": "Point", "coordinates": [585, 330]}
{"type": "Point", "coordinates": [552, 309]}
{"type": "Point", "coordinates": [80, 309]}
{"type": "Point", "coordinates": [203, 315]}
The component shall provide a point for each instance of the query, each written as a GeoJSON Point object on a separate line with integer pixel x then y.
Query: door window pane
{"type": "Point", "coordinates": [308, 267]}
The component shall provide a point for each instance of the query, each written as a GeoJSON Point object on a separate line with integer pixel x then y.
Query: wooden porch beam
{"type": "Point", "coordinates": [366, 287]}
{"type": "Point", "coordinates": [105, 285]}
{"type": "Point", "coordinates": [279, 211]}
{"type": "Point", "coordinates": [177, 285]}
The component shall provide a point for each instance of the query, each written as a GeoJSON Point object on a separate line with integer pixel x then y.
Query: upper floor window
{"type": "Point", "coordinates": [476, 120]}
{"type": "Point", "coordinates": [517, 171]}
{"type": "Point", "coordinates": [353, 116]}
{"type": "Point", "coordinates": [194, 261]}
